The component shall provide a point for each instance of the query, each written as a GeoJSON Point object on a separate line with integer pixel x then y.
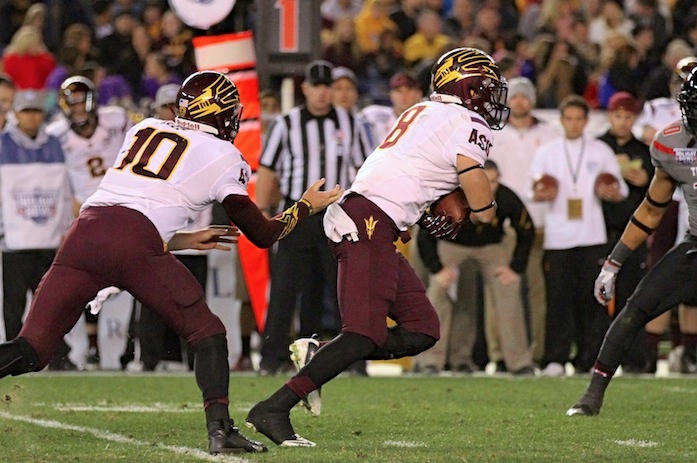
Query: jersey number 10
{"type": "Point", "coordinates": [144, 146]}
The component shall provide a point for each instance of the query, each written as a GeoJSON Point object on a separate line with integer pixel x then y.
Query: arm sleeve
{"type": "Point", "coordinates": [523, 226]}
{"type": "Point", "coordinates": [262, 232]}
{"type": "Point", "coordinates": [427, 246]}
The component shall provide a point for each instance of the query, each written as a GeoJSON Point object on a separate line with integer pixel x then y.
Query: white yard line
{"type": "Point", "coordinates": [636, 443]}
{"type": "Point", "coordinates": [403, 444]}
{"type": "Point", "coordinates": [113, 437]}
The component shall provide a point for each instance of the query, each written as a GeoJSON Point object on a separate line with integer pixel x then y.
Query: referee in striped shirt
{"type": "Point", "coordinates": [315, 140]}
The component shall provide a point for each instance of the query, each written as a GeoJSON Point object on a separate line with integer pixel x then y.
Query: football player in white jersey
{"type": "Point", "coordinates": [669, 282]}
{"type": "Point", "coordinates": [166, 172]}
{"type": "Point", "coordinates": [91, 138]}
{"type": "Point", "coordinates": [434, 147]}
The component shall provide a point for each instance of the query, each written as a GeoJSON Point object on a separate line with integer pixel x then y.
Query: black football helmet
{"type": "Point", "coordinates": [474, 79]}
{"type": "Point", "coordinates": [74, 90]}
{"type": "Point", "coordinates": [687, 98]}
{"type": "Point", "coordinates": [209, 101]}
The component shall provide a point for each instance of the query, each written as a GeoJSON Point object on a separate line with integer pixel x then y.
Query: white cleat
{"type": "Point", "coordinates": [301, 352]}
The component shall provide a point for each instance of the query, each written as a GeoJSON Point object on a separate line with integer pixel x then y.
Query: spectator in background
{"type": "Point", "coordinates": [659, 83]}
{"type": "Point", "coordinates": [270, 106]}
{"type": "Point", "coordinates": [404, 17]}
{"type": "Point", "coordinates": [74, 52]}
{"type": "Point", "coordinates": [611, 20]}
{"type": "Point", "coordinates": [12, 14]}
{"type": "Point", "coordinates": [460, 23]}
{"type": "Point", "coordinates": [487, 26]}
{"type": "Point", "coordinates": [560, 72]}
{"type": "Point", "coordinates": [111, 89]}
{"type": "Point", "coordinates": [635, 165]}
{"type": "Point", "coordinates": [103, 19]}
{"type": "Point", "coordinates": [381, 66]}
{"type": "Point", "coordinates": [575, 238]}
{"type": "Point", "coordinates": [152, 19]}
{"type": "Point", "coordinates": [36, 211]}
{"type": "Point", "coordinates": [116, 53]}
{"type": "Point", "coordinates": [371, 22]}
{"type": "Point", "coordinates": [156, 74]}
{"type": "Point", "coordinates": [622, 74]}
{"type": "Point", "coordinates": [513, 151]}
{"type": "Point", "coordinates": [7, 93]}
{"type": "Point", "coordinates": [646, 13]}
{"type": "Point", "coordinates": [27, 60]}
{"type": "Point", "coordinates": [142, 43]}
{"type": "Point", "coordinates": [334, 10]}
{"type": "Point", "coordinates": [428, 43]}
{"type": "Point", "coordinates": [36, 17]}
{"type": "Point", "coordinates": [343, 50]}
{"type": "Point", "coordinates": [345, 89]}
{"type": "Point", "coordinates": [175, 44]}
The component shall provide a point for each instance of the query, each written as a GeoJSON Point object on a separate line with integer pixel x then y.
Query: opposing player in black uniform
{"type": "Point", "coordinates": [671, 281]}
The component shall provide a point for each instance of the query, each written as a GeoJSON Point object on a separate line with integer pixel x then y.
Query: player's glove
{"type": "Point", "coordinates": [605, 283]}
{"type": "Point", "coordinates": [440, 226]}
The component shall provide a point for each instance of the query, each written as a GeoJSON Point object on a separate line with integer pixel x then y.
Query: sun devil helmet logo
{"type": "Point", "coordinates": [211, 100]}
{"type": "Point", "coordinates": [472, 76]}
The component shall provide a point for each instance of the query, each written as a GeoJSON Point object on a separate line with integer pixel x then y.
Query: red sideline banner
{"type": "Point", "coordinates": [234, 55]}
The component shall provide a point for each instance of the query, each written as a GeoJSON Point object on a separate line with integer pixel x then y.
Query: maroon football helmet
{"type": "Point", "coordinates": [75, 90]}
{"type": "Point", "coordinates": [474, 79]}
{"type": "Point", "coordinates": [209, 101]}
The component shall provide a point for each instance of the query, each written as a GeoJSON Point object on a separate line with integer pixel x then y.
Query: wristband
{"type": "Point", "coordinates": [619, 253]}
{"type": "Point", "coordinates": [307, 203]}
{"type": "Point", "coordinates": [478, 166]}
{"type": "Point", "coordinates": [488, 206]}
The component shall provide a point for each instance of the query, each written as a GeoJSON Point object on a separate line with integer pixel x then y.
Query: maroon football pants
{"type": "Point", "coordinates": [376, 281]}
{"type": "Point", "coordinates": [115, 246]}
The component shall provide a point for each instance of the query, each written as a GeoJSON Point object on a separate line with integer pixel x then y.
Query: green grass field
{"type": "Point", "coordinates": [149, 418]}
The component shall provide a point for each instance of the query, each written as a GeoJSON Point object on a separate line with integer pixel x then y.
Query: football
{"type": "Point", "coordinates": [453, 204]}
{"type": "Point", "coordinates": [605, 179]}
{"type": "Point", "coordinates": [545, 187]}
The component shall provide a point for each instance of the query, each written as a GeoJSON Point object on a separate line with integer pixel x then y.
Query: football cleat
{"type": "Point", "coordinates": [585, 407]}
{"type": "Point", "coordinates": [276, 426]}
{"type": "Point", "coordinates": [224, 437]}
{"type": "Point", "coordinates": [301, 352]}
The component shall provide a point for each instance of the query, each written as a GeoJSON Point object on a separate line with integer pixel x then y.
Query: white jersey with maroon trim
{"type": "Point", "coordinates": [170, 173]}
{"type": "Point", "coordinates": [89, 158]}
{"type": "Point", "coordinates": [674, 150]}
{"type": "Point", "coordinates": [658, 112]}
{"type": "Point", "coordinates": [417, 162]}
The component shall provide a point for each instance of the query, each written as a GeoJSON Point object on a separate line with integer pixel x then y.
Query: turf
{"type": "Point", "coordinates": [400, 420]}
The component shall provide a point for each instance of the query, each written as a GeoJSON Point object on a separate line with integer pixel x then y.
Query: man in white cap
{"type": "Point", "coordinates": [35, 212]}
{"type": "Point", "coordinates": [513, 150]}
{"type": "Point", "coordinates": [165, 104]}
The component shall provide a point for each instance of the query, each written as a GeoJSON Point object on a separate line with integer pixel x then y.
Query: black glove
{"type": "Point", "coordinates": [439, 225]}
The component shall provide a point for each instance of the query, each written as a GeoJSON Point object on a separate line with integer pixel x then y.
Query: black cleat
{"type": "Point", "coordinates": [224, 437]}
{"type": "Point", "coordinates": [584, 408]}
{"type": "Point", "coordinates": [276, 426]}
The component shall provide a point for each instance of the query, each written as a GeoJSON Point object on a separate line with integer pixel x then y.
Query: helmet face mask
{"type": "Point", "coordinates": [474, 78]}
{"type": "Point", "coordinates": [74, 91]}
{"type": "Point", "coordinates": [687, 98]}
{"type": "Point", "coordinates": [210, 102]}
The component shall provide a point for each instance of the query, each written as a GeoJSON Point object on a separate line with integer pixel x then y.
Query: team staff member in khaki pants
{"type": "Point", "coordinates": [501, 273]}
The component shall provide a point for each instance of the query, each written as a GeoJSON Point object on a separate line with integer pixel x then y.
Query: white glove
{"type": "Point", "coordinates": [605, 283]}
{"type": "Point", "coordinates": [95, 305]}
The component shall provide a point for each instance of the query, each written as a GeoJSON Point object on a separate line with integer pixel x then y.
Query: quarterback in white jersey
{"type": "Point", "coordinates": [91, 136]}
{"type": "Point", "coordinates": [434, 148]}
{"type": "Point", "coordinates": [166, 171]}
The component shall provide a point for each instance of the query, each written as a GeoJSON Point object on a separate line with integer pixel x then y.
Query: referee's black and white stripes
{"type": "Point", "coordinates": [302, 148]}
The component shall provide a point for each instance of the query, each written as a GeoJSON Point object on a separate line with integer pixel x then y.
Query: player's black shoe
{"type": "Point", "coordinates": [585, 407]}
{"type": "Point", "coordinates": [224, 437]}
{"type": "Point", "coordinates": [276, 426]}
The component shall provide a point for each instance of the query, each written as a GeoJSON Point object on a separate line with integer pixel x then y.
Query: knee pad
{"type": "Point", "coordinates": [402, 343]}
